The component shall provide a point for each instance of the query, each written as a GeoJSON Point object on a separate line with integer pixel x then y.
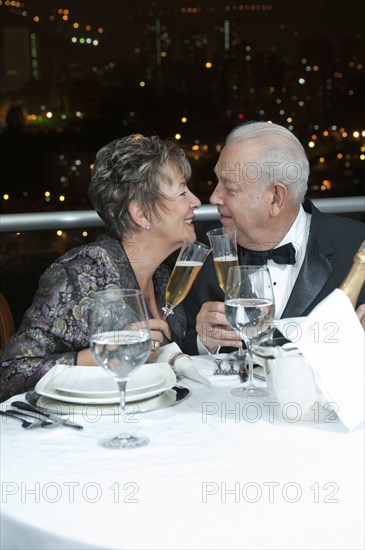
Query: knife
{"type": "Point", "coordinates": [38, 423]}
{"type": "Point", "coordinates": [37, 411]}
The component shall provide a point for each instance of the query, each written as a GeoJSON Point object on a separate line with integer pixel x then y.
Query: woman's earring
{"type": "Point", "coordinates": [148, 227]}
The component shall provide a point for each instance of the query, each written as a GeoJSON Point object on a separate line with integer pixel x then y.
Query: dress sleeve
{"type": "Point", "coordinates": [55, 327]}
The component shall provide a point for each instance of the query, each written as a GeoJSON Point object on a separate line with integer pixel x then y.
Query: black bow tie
{"type": "Point", "coordinates": [283, 255]}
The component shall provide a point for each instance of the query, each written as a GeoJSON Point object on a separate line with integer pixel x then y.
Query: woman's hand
{"type": "Point", "coordinates": [213, 329]}
{"type": "Point", "coordinates": [85, 358]}
{"type": "Point", "coordinates": [158, 329]}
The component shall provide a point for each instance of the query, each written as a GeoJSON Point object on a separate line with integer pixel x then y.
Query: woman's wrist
{"type": "Point", "coordinates": [85, 358]}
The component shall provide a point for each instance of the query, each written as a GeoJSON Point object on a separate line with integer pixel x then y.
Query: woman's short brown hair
{"type": "Point", "coordinates": [132, 168]}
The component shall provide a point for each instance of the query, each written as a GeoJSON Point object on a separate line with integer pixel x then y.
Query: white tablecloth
{"type": "Point", "coordinates": [219, 473]}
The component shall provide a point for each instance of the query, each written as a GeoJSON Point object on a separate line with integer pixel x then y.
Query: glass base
{"type": "Point", "coordinates": [249, 391]}
{"type": "Point", "coordinates": [124, 441]}
{"type": "Point", "coordinates": [235, 357]}
{"type": "Point", "coordinates": [237, 362]}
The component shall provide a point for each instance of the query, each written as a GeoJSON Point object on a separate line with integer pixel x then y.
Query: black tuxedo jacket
{"type": "Point", "coordinates": [332, 244]}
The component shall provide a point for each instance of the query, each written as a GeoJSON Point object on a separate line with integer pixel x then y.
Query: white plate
{"type": "Point", "coordinates": [167, 398]}
{"type": "Point", "coordinates": [96, 382]}
{"type": "Point", "coordinates": [48, 385]}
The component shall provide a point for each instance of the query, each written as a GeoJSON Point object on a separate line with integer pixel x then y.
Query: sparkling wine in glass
{"type": "Point", "coordinates": [120, 342]}
{"type": "Point", "coordinates": [250, 309]}
{"type": "Point", "coordinates": [224, 249]}
{"type": "Point", "coordinates": [188, 264]}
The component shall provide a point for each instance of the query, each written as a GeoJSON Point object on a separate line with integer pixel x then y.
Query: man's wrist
{"type": "Point", "coordinates": [203, 350]}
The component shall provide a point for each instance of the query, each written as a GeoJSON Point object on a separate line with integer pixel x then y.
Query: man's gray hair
{"type": "Point", "coordinates": [133, 168]}
{"type": "Point", "coordinates": [283, 158]}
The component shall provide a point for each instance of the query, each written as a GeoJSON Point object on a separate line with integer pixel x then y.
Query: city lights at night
{"type": "Point", "coordinates": [75, 76]}
{"type": "Point", "coordinates": [187, 72]}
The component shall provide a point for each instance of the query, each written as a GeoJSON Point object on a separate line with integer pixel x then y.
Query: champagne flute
{"type": "Point", "coordinates": [188, 264]}
{"type": "Point", "coordinates": [224, 249]}
{"type": "Point", "coordinates": [250, 309]}
{"type": "Point", "coordinates": [120, 341]}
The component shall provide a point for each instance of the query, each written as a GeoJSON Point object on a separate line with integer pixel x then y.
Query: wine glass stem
{"type": "Point", "coordinates": [122, 385]}
{"type": "Point", "coordinates": [240, 351]}
{"type": "Point", "coordinates": [166, 312]}
{"type": "Point", "coordinates": [250, 365]}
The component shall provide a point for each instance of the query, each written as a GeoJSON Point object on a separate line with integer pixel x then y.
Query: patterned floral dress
{"type": "Point", "coordinates": [55, 327]}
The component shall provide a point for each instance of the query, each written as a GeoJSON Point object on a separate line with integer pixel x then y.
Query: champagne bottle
{"type": "Point", "coordinates": [354, 280]}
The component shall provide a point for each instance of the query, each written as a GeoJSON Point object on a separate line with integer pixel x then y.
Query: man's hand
{"type": "Point", "coordinates": [213, 329]}
{"type": "Point", "coordinates": [360, 312]}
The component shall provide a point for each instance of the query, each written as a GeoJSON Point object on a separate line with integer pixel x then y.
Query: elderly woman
{"type": "Point", "coordinates": [139, 189]}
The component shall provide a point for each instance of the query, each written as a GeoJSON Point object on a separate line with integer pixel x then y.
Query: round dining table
{"type": "Point", "coordinates": [219, 472]}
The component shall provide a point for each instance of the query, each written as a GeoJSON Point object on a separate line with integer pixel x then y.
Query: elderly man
{"type": "Point", "coordinates": [262, 176]}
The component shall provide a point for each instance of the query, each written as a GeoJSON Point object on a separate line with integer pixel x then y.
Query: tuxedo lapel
{"type": "Point", "coordinates": [314, 274]}
{"type": "Point", "coordinates": [317, 267]}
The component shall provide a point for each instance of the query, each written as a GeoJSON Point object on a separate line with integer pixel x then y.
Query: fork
{"type": "Point", "coordinates": [25, 423]}
{"type": "Point", "coordinates": [53, 419]}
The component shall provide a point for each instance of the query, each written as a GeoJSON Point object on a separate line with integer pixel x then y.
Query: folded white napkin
{"type": "Point", "coordinates": [182, 364]}
{"type": "Point", "coordinates": [333, 342]}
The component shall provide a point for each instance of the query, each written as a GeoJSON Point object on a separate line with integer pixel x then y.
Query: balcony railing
{"type": "Point", "coordinates": [28, 243]}
{"type": "Point", "coordinates": [89, 218]}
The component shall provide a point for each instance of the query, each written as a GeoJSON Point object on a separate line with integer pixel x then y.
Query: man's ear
{"type": "Point", "coordinates": [137, 213]}
{"type": "Point", "coordinates": [279, 198]}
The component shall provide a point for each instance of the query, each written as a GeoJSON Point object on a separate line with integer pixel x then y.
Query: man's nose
{"type": "Point", "coordinates": [217, 196]}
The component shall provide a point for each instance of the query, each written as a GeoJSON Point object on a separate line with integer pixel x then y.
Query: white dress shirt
{"type": "Point", "coordinates": [284, 276]}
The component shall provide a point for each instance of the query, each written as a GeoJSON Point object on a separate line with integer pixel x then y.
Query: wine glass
{"type": "Point", "coordinates": [188, 264]}
{"type": "Point", "coordinates": [224, 249]}
{"type": "Point", "coordinates": [120, 341]}
{"type": "Point", "coordinates": [249, 308]}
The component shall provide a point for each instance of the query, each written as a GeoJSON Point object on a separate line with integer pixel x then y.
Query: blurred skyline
{"type": "Point", "coordinates": [78, 74]}
{"type": "Point", "coordinates": [330, 19]}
